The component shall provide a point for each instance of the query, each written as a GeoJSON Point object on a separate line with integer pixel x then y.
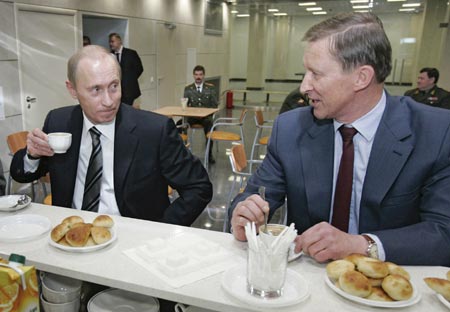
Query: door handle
{"type": "Point", "coordinates": [30, 100]}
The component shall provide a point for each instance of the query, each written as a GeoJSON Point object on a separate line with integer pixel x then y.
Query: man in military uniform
{"type": "Point", "coordinates": [427, 91]}
{"type": "Point", "coordinates": [293, 100]}
{"type": "Point", "coordinates": [201, 94]}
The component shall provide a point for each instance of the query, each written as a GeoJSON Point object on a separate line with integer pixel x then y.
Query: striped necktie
{"type": "Point", "coordinates": [93, 182]}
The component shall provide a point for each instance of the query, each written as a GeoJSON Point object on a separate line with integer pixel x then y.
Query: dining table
{"type": "Point", "coordinates": [197, 112]}
{"type": "Point", "coordinates": [111, 266]}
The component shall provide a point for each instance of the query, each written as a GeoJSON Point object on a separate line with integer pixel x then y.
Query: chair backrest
{"type": "Point", "coordinates": [259, 117]}
{"type": "Point", "coordinates": [17, 141]}
{"type": "Point", "coordinates": [238, 158]}
{"type": "Point", "coordinates": [243, 114]}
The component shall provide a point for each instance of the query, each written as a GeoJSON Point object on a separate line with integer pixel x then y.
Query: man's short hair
{"type": "Point", "coordinates": [431, 72]}
{"type": "Point", "coordinates": [356, 39]}
{"type": "Point", "coordinates": [116, 35]}
{"type": "Point", "coordinates": [92, 52]}
{"type": "Point", "coordinates": [199, 68]}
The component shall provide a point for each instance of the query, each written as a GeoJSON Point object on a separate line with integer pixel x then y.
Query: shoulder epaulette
{"type": "Point", "coordinates": [209, 84]}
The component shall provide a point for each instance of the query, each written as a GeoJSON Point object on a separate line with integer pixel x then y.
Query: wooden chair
{"type": "Point", "coordinates": [185, 134]}
{"type": "Point", "coordinates": [17, 141]}
{"type": "Point", "coordinates": [216, 135]}
{"type": "Point", "coordinates": [239, 164]}
{"type": "Point", "coordinates": [261, 125]}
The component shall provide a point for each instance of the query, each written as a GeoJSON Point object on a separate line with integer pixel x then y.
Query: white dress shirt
{"type": "Point", "coordinates": [108, 203]}
{"type": "Point", "coordinates": [366, 126]}
{"type": "Point", "coordinates": [199, 87]}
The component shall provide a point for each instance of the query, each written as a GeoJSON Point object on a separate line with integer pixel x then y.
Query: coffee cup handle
{"type": "Point", "coordinates": [179, 307]}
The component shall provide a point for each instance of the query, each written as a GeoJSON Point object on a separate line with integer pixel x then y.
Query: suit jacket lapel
{"type": "Point", "coordinates": [391, 149]}
{"type": "Point", "coordinates": [125, 143]}
{"type": "Point", "coordinates": [318, 148]}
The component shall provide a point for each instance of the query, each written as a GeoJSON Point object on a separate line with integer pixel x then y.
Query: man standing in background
{"type": "Point", "coordinates": [427, 91]}
{"type": "Point", "coordinates": [131, 66]}
{"type": "Point", "coordinates": [201, 94]}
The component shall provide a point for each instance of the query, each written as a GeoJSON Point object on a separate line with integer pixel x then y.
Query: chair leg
{"type": "Point", "coordinates": [205, 162]}
{"type": "Point", "coordinates": [255, 140]}
{"type": "Point", "coordinates": [8, 187]}
{"type": "Point", "coordinates": [228, 206]}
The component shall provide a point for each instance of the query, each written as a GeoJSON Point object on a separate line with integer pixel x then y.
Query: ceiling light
{"type": "Point", "coordinates": [396, 0]}
{"type": "Point", "coordinates": [272, 10]}
{"type": "Point", "coordinates": [234, 12]}
{"type": "Point", "coordinates": [314, 9]}
{"type": "Point", "coordinates": [319, 13]}
{"type": "Point", "coordinates": [407, 40]}
{"type": "Point", "coordinates": [355, 7]}
{"type": "Point", "coordinates": [279, 14]}
{"type": "Point", "coordinates": [242, 15]}
{"type": "Point", "coordinates": [406, 10]}
{"type": "Point", "coordinates": [306, 3]}
{"type": "Point", "coordinates": [411, 5]}
{"type": "Point", "coordinates": [362, 11]}
{"type": "Point", "coordinates": [359, 1]}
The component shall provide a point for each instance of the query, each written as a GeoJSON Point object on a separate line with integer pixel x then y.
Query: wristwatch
{"type": "Point", "coordinates": [372, 248]}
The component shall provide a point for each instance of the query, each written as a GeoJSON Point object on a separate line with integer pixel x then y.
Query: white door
{"type": "Point", "coordinates": [47, 38]}
{"type": "Point", "coordinates": [166, 67]}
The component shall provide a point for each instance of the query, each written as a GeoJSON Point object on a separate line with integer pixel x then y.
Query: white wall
{"type": "Point", "coordinates": [143, 19]}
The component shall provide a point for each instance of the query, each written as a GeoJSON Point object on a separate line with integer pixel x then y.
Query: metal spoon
{"type": "Point", "coordinates": [22, 200]}
{"type": "Point", "coordinates": [262, 193]}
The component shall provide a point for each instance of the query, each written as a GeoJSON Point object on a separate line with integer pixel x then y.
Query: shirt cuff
{"type": "Point", "coordinates": [381, 253]}
{"type": "Point", "coordinates": [30, 165]}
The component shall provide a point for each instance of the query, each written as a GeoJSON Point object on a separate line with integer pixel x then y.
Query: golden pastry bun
{"type": "Point", "coordinates": [397, 287]}
{"type": "Point", "coordinates": [395, 269]}
{"type": "Point", "coordinates": [100, 234]}
{"type": "Point", "coordinates": [439, 285]}
{"type": "Point", "coordinates": [448, 275]}
{"type": "Point", "coordinates": [73, 220]}
{"type": "Point", "coordinates": [59, 231]}
{"type": "Point", "coordinates": [373, 268]}
{"type": "Point", "coordinates": [78, 237]}
{"type": "Point", "coordinates": [378, 294]}
{"type": "Point", "coordinates": [355, 283]}
{"type": "Point", "coordinates": [104, 221]}
{"type": "Point", "coordinates": [337, 267]}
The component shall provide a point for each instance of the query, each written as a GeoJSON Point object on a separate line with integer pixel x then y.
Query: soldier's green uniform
{"type": "Point", "coordinates": [436, 97]}
{"type": "Point", "coordinates": [206, 98]}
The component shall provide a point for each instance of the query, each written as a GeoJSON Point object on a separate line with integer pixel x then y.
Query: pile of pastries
{"type": "Point", "coordinates": [440, 285]}
{"type": "Point", "coordinates": [74, 232]}
{"type": "Point", "coordinates": [370, 278]}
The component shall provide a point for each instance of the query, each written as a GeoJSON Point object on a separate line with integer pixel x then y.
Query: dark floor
{"type": "Point", "coordinates": [220, 173]}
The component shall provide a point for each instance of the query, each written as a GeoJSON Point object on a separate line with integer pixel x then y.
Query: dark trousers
{"type": "Point", "coordinates": [205, 122]}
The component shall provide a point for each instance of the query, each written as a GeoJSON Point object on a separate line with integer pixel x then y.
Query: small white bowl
{"type": "Point", "coordinates": [60, 289]}
{"type": "Point", "coordinates": [73, 306]}
{"type": "Point", "coordinates": [60, 141]}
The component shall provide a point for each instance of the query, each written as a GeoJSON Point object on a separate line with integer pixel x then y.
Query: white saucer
{"type": "Point", "coordinates": [443, 300]}
{"type": "Point", "coordinates": [117, 300]}
{"type": "Point", "coordinates": [373, 303]}
{"type": "Point", "coordinates": [292, 255]}
{"type": "Point", "coordinates": [21, 228]}
{"type": "Point", "coordinates": [296, 289]}
{"type": "Point", "coordinates": [9, 202]}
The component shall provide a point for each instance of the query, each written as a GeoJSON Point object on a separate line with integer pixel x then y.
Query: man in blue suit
{"type": "Point", "coordinates": [399, 198]}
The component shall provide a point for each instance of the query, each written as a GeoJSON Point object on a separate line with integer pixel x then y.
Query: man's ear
{"type": "Point", "coordinates": [71, 89]}
{"type": "Point", "coordinates": [364, 75]}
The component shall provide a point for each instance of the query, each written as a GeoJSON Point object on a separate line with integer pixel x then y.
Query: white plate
{"type": "Point", "coordinates": [21, 228]}
{"type": "Point", "coordinates": [8, 202]}
{"type": "Point", "coordinates": [373, 303]}
{"type": "Point", "coordinates": [443, 300]}
{"type": "Point", "coordinates": [87, 248]}
{"type": "Point", "coordinates": [117, 300]}
{"type": "Point", "coordinates": [296, 289]}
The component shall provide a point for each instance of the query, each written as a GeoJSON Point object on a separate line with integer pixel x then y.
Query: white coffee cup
{"type": "Point", "coordinates": [60, 289]}
{"type": "Point", "coordinates": [60, 141]}
{"type": "Point", "coordinates": [184, 102]}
